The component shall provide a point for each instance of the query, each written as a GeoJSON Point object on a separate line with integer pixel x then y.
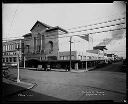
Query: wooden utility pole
{"type": "Point", "coordinates": [70, 52]}
{"type": "Point", "coordinates": [18, 74]}
{"type": "Point", "coordinates": [24, 62]}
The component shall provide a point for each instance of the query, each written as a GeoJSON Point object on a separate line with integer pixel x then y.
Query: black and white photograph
{"type": "Point", "coordinates": [64, 52]}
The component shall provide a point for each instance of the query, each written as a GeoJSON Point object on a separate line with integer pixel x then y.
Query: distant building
{"type": "Point", "coordinates": [110, 56]}
{"type": "Point", "coordinates": [102, 54]}
{"type": "Point", "coordinates": [10, 51]}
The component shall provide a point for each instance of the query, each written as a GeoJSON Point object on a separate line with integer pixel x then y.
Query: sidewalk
{"type": "Point", "coordinates": [21, 86]}
{"type": "Point", "coordinates": [83, 70]}
{"type": "Point", "coordinates": [73, 70]}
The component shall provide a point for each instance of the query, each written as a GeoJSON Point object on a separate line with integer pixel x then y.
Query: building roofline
{"type": "Point", "coordinates": [12, 40]}
{"type": "Point", "coordinates": [57, 27]}
{"type": "Point", "coordinates": [29, 34]}
{"type": "Point", "coordinates": [42, 24]}
{"type": "Point", "coordinates": [100, 47]}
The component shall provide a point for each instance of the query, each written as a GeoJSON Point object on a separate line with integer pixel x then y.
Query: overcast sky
{"type": "Point", "coordinates": [18, 19]}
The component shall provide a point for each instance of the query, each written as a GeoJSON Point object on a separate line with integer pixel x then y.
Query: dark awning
{"type": "Point", "coordinates": [100, 47]}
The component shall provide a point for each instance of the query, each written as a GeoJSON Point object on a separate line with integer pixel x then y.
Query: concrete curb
{"type": "Point", "coordinates": [22, 84]}
{"type": "Point", "coordinates": [82, 70]}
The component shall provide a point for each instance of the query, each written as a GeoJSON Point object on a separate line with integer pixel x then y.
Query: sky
{"type": "Point", "coordinates": [18, 19]}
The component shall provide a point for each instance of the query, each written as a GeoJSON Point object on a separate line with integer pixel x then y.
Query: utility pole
{"type": "Point", "coordinates": [18, 79]}
{"type": "Point", "coordinates": [18, 74]}
{"type": "Point", "coordinates": [24, 62]}
{"type": "Point", "coordinates": [70, 52]}
{"type": "Point", "coordinates": [86, 62]}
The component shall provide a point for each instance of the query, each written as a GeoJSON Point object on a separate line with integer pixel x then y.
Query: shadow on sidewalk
{"type": "Point", "coordinates": [15, 93]}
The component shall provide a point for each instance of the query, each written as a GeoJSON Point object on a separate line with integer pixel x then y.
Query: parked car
{"type": "Point", "coordinates": [101, 64]}
{"type": "Point", "coordinates": [110, 61]}
{"type": "Point", "coordinates": [48, 67]}
{"type": "Point", "coordinates": [124, 66]}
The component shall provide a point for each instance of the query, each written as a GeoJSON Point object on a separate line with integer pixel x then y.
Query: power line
{"type": "Point", "coordinates": [90, 33]}
{"type": "Point", "coordinates": [85, 34]}
{"type": "Point", "coordinates": [91, 29]}
{"type": "Point", "coordinates": [116, 51]}
{"type": "Point", "coordinates": [97, 23]}
{"type": "Point", "coordinates": [13, 17]}
{"type": "Point", "coordinates": [91, 25]}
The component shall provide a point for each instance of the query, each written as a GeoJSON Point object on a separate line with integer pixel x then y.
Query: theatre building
{"type": "Point", "coordinates": [46, 43]}
{"type": "Point", "coordinates": [42, 42]}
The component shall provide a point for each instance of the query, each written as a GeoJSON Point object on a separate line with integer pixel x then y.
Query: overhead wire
{"type": "Point", "coordinates": [98, 23]}
{"type": "Point", "coordinates": [13, 17]}
{"type": "Point", "coordinates": [88, 29]}
{"type": "Point", "coordinates": [91, 28]}
{"type": "Point", "coordinates": [90, 33]}
{"type": "Point", "coordinates": [90, 25]}
{"type": "Point", "coordinates": [84, 33]}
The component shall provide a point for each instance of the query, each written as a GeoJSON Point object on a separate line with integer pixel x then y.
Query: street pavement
{"type": "Point", "coordinates": [115, 67]}
{"type": "Point", "coordinates": [70, 86]}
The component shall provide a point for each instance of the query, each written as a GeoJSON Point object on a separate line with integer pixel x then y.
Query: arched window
{"type": "Point", "coordinates": [50, 43]}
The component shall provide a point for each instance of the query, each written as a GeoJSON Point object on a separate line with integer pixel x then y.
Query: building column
{"type": "Point", "coordinates": [76, 66]}
{"type": "Point", "coordinates": [41, 43]}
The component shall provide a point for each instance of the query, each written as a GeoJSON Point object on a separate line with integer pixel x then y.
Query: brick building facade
{"type": "Point", "coordinates": [11, 52]}
{"type": "Point", "coordinates": [42, 42]}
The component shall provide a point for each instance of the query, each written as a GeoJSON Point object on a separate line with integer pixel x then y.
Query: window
{"type": "Point", "coordinates": [34, 43]}
{"type": "Point", "coordinates": [10, 59]}
{"type": "Point", "coordinates": [7, 59]}
{"type": "Point", "coordinates": [79, 57]}
{"type": "Point", "coordinates": [50, 46]}
{"type": "Point", "coordinates": [3, 60]}
{"type": "Point", "coordinates": [11, 46]}
{"type": "Point", "coordinates": [38, 48]}
{"type": "Point", "coordinates": [72, 57]}
{"type": "Point", "coordinates": [15, 45]}
{"type": "Point", "coordinates": [3, 48]}
{"type": "Point", "coordinates": [65, 57]}
{"type": "Point", "coordinates": [27, 48]}
{"type": "Point", "coordinates": [6, 47]}
{"type": "Point", "coordinates": [40, 58]}
{"type": "Point", "coordinates": [61, 57]}
{"type": "Point", "coordinates": [14, 59]}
